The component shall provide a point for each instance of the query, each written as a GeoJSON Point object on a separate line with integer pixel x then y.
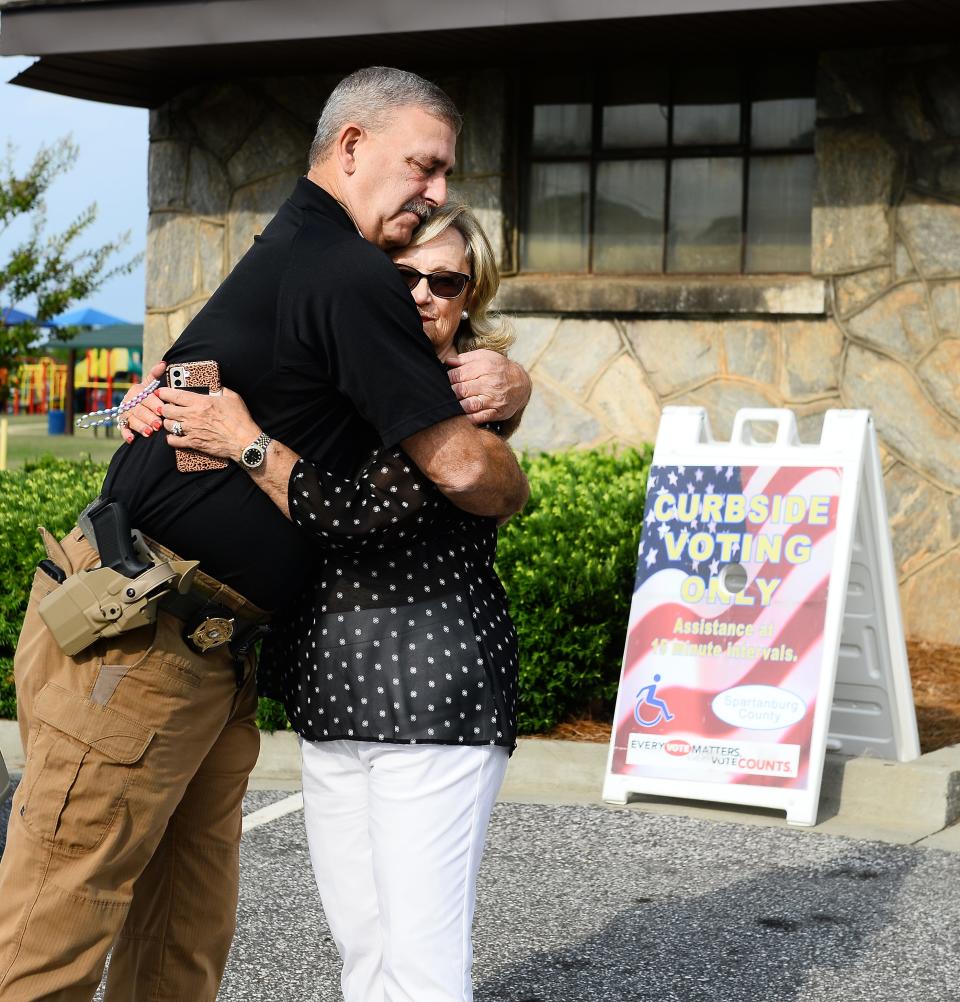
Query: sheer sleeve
{"type": "Point", "coordinates": [388, 502]}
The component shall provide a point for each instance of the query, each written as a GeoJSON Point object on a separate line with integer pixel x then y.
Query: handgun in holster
{"type": "Point", "coordinates": [122, 594]}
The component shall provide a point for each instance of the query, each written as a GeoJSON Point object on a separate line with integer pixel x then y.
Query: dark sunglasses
{"type": "Point", "coordinates": [443, 284]}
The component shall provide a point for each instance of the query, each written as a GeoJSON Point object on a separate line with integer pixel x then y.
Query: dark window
{"type": "Point", "coordinates": [699, 169]}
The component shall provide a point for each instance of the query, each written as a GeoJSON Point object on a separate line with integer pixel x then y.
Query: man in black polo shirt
{"type": "Point", "coordinates": [128, 817]}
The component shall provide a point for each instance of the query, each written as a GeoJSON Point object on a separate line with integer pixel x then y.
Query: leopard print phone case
{"type": "Point", "coordinates": [186, 376]}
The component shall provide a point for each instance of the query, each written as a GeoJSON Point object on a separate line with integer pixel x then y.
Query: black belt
{"type": "Point", "coordinates": [213, 615]}
{"type": "Point", "coordinates": [209, 625]}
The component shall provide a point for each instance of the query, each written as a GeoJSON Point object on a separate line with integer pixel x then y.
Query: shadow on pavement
{"type": "Point", "coordinates": [755, 940]}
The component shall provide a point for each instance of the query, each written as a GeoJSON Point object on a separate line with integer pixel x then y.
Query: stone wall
{"type": "Point", "coordinates": [883, 332]}
{"type": "Point", "coordinates": [887, 233]}
{"type": "Point", "coordinates": [222, 159]}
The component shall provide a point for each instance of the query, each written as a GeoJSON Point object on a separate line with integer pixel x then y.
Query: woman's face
{"type": "Point", "coordinates": [440, 317]}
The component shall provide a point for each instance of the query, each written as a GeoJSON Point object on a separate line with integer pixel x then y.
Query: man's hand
{"type": "Point", "coordinates": [490, 387]}
{"type": "Point", "coordinates": [144, 419]}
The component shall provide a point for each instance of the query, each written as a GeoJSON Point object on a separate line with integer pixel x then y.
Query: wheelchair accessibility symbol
{"type": "Point", "coordinates": [649, 709]}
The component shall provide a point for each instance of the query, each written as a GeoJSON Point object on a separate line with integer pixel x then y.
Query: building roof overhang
{"type": "Point", "coordinates": [141, 52]}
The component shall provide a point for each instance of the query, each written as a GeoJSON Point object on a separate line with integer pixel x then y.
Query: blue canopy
{"type": "Point", "coordinates": [10, 316]}
{"type": "Point", "coordinates": [85, 317]}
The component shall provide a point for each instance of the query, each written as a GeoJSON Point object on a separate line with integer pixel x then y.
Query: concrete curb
{"type": "Point", "coordinates": [864, 798]}
{"type": "Point", "coordinates": [903, 802]}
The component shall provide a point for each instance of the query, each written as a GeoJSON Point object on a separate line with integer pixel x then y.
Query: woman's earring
{"type": "Point", "coordinates": [464, 315]}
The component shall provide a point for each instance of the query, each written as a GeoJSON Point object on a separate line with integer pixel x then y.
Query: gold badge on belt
{"type": "Point", "coordinates": [214, 631]}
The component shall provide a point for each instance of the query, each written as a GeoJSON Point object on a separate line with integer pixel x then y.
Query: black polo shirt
{"type": "Point", "coordinates": [321, 338]}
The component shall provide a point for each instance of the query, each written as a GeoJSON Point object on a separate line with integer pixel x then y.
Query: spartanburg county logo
{"type": "Point", "coordinates": [759, 707]}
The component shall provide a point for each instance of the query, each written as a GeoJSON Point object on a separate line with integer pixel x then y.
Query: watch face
{"type": "Point", "coordinates": [252, 456]}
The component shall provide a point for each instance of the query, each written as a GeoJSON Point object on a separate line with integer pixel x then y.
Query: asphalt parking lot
{"type": "Point", "coordinates": [588, 904]}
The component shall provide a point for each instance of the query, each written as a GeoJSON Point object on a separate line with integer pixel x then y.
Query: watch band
{"type": "Point", "coordinates": [255, 453]}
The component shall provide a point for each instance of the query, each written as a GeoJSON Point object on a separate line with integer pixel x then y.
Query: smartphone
{"type": "Point", "coordinates": [197, 377]}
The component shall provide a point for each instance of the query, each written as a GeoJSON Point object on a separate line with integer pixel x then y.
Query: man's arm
{"type": "Point", "coordinates": [473, 468]}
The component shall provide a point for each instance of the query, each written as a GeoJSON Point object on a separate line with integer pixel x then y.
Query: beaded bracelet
{"type": "Point", "coordinates": [96, 418]}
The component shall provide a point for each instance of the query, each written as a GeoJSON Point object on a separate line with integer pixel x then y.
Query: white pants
{"type": "Point", "coordinates": [396, 834]}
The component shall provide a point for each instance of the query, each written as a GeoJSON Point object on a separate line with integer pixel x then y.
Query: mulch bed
{"type": "Point", "coordinates": [934, 669]}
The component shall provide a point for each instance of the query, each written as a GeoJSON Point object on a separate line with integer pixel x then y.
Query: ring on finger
{"type": "Point", "coordinates": [177, 429]}
{"type": "Point", "coordinates": [123, 422]}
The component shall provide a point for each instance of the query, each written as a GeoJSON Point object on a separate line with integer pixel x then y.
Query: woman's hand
{"type": "Point", "coordinates": [144, 419]}
{"type": "Point", "coordinates": [216, 425]}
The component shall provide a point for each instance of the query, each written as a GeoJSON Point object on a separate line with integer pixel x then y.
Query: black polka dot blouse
{"type": "Point", "coordinates": [405, 636]}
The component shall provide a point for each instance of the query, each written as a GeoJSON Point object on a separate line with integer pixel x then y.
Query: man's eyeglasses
{"type": "Point", "coordinates": [443, 284]}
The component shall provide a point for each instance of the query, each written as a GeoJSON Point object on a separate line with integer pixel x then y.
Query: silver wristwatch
{"type": "Point", "coordinates": [256, 452]}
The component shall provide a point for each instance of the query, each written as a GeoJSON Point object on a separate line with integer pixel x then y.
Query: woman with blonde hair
{"type": "Point", "coordinates": [479, 326]}
{"type": "Point", "coordinates": [399, 669]}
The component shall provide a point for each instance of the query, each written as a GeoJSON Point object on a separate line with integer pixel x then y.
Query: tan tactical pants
{"type": "Point", "coordinates": [125, 830]}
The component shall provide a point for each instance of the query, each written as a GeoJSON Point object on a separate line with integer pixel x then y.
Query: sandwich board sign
{"type": "Point", "coordinates": [765, 622]}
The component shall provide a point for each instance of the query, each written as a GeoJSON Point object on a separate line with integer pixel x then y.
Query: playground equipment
{"type": "Point", "coordinates": [99, 376]}
{"type": "Point", "coordinates": [102, 365]}
{"type": "Point", "coordinates": [103, 376]}
{"type": "Point", "coordinates": [42, 387]}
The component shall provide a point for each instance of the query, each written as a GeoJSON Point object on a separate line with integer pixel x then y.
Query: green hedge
{"type": "Point", "coordinates": [48, 492]}
{"type": "Point", "coordinates": [567, 563]}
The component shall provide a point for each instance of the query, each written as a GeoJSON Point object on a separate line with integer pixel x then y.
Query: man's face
{"type": "Point", "coordinates": [401, 175]}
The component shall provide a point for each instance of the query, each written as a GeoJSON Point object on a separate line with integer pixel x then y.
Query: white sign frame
{"type": "Point", "coordinates": [874, 712]}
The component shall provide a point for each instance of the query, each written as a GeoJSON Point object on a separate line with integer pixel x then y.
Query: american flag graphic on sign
{"type": "Point", "coordinates": [720, 675]}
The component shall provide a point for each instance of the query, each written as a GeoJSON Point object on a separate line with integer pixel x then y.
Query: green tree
{"type": "Point", "coordinates": [48, 270]}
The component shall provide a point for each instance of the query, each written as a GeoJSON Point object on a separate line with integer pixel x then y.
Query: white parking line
{"type": "Point", "coordinates": [272, 811]}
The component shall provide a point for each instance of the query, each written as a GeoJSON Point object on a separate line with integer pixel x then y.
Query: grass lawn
{"type": "Point", "coordinates": [27, 438]}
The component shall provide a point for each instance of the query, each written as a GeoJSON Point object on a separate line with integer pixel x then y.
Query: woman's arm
{"type": "Point", "coordinates": [388, 500]}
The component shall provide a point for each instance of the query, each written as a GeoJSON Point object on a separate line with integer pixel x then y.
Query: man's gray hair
{"type": "Point", "coordinates": [369, 96]}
